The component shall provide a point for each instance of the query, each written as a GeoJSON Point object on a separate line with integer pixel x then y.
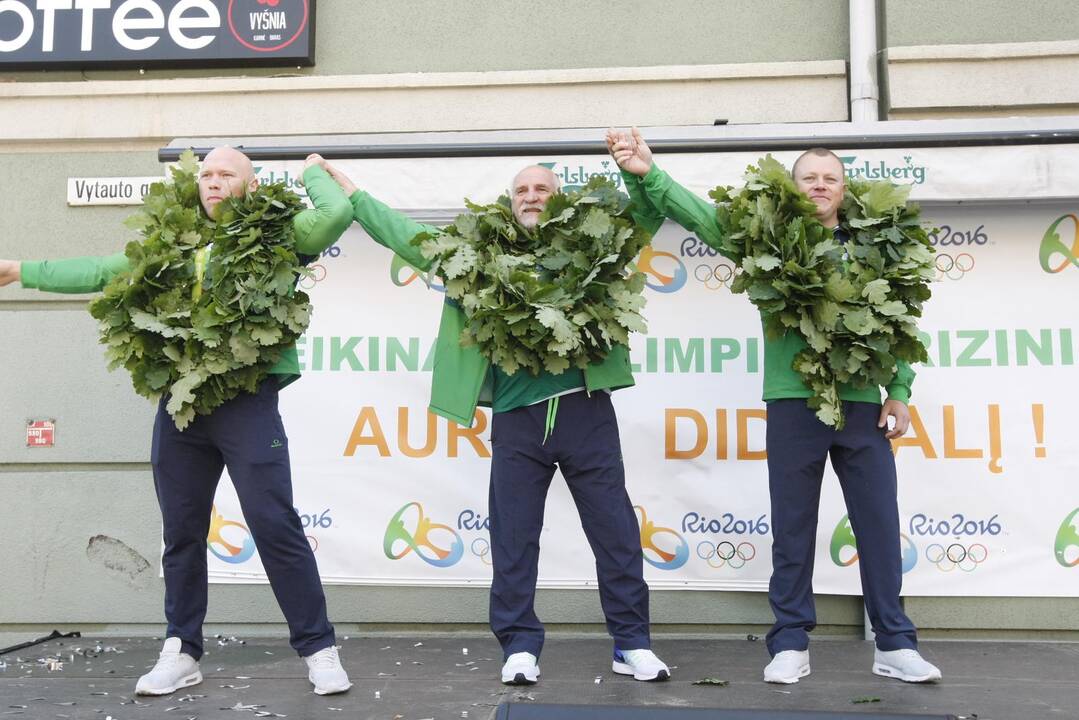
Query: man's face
{"type": "Point", "coordinates": [531, 189]}
{"type": "Point", "coordinates": [226, 172]}
{"type": "Point", "coordinates": [821, 178]}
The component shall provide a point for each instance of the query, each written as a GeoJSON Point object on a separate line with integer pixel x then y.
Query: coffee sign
{"type": "Point", "coordinates": [37, 34]}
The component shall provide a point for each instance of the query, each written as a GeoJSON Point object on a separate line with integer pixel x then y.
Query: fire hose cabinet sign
{"type": "Point", "coordinates": [40, 433]}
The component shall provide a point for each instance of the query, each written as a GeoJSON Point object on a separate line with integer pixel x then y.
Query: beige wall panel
{"type": "Point", "coordinates": [999, 79]}
{"type": "Point", "coordinates": [107, 111]}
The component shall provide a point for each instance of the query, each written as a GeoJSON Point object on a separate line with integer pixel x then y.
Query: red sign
{"type": "Point", "coordinates": [40, 433]}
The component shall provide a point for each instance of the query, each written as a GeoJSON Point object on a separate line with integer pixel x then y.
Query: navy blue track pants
{"type": "Point", "coordinates": [246, 436]}
{"type": "Point", "coordinates": [585, 446]}
{"type": "Point", "coordinates": [798, 445]}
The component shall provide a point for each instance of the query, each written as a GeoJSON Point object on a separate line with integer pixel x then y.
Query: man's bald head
{"type": "Point", "coordinates": [531, 189]}
{"type": "Point", "coordinates": [226, 172]}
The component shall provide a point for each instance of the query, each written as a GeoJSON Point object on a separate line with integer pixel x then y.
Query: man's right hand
{"type": "Point", "coordinates": [343, 180]}
{"type": "Point", "coordinates": [630, 151]}
{"type": "Point", "coordinates": [10, 271]}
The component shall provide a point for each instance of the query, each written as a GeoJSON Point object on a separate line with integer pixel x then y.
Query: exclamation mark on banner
{"type": "Point", "coordinates": [1038, 412]}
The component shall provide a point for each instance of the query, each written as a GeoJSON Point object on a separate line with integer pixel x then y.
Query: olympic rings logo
{"type": "Point", "coordinates": [726, 553]}
{"type": "Point", "coordinates": [714, 277]}
{"type": "Point", "coordinates": [228, 552]}
{"type": "Point", "coordinates": [668, 559]}
{"type": "Point", "coordinates": [954, 268]}
{"type": "Point", "coordinates": [956, 555]}
{"type": "Point", "coordinates": [664, 283]}
{"type": "Point", "coordinates": [420, 540]}
{"type": "Point", "coordinates": [314, 275]}
{"type": "Point", "coordinates": [482, 549]}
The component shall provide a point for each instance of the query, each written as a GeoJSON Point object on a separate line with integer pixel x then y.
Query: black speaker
{"type": "Point", "coordinates": [534, 711]}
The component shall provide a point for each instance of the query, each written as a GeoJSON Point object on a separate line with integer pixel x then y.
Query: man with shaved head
{"type": "Point", "coordinates": [540, 422]}
{"type": "Point", "coordinates": [799, 444]}
{"type": "Point", "coordinates": [245, 435]}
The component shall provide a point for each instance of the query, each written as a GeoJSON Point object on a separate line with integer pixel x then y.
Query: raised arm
{"type": "Point", "coordinates": [72, 275]}
{"type": "Point", "coordinates": [322, 226]}
{"type": "Point", "coordinates": [386, 226]}
{"type": "Point", "coordinates": [666, 196]}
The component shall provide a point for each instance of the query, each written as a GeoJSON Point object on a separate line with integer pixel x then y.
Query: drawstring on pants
{"type": "Point", "coordinates": [552, 411]}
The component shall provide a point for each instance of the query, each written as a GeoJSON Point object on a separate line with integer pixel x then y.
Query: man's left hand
{"type": "Point", "coordinates": [899, 411]}
{"type": "Point", "coordinates": [10, 271]}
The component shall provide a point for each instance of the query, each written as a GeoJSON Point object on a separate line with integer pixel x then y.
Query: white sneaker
{"type": "Point", "coordinates": [906, 665]}
{"type": "Point", "coordinates": [787, 667]}
{"type": "Point", "coordinates": [325, 672]}
{"type": "Point", "coordinates": [641, 664]}
{"type": "Point", "coordinates": [174, 670]}
{"type": "Point", "coordinates": [520, 669]}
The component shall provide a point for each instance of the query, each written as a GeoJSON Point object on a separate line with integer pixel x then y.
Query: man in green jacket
{"type": "Point", "coordinates": [245, 435]}
{"type": "Point", "coordinates": [798, 445]}
{"type": "Point", "coordinates": [540, 423]}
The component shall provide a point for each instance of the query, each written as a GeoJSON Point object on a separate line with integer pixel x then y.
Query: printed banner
{"type": "Point", "coordinates": [389, 494]}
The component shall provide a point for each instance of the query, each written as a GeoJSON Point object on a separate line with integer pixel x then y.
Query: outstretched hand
{"type": "Point", "coordinates": [343, 180]}
{"type": "Point", "coordinates": [899, 411]}
{"type": "Point", "coordinates": [10, 271]}
{"type": "Point", "coordinates": [630, 151]}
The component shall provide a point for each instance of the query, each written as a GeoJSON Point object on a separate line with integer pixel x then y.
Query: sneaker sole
{"type": "Point", "coordinates": [520, 679]}
{"type": "Point", "coordinates": [802, 672]}
{"type": "Point", "coordinates": [625, 669]}
{"type": "Point", "coordinates": [193, 679]}
{"type": "Point", "coordinates": [332, 691]}
{"type": "Point", "coordinates": [890, 672]}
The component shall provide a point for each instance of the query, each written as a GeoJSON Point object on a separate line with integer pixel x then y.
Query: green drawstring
{"type": "Point", "coordinates": [552, 411]}
{"type": "Point", "coordinates": [200, 273]}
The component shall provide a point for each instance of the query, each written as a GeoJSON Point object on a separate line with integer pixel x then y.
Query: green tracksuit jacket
{"type": "Point", "coordinates": [315, 229]}
{"type": "Point", "coordinates": [461, 377]}
{"type": "Point", "coordinates": [669, 199]}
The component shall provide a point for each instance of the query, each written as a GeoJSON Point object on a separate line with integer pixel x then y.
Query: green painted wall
{"type": "Point", "coordinates": [390, 36]}
{"type": "Point", "coordinates": [932, 22]}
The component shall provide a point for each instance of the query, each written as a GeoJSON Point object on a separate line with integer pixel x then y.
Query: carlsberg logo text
{"type": "Point", "coordinates": [908, 172]}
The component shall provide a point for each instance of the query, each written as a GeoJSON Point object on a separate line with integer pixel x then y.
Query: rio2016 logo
{"type": "Point", "coordinates": [1066, 547]}
{"type": "Point", "coordinates": [402, 274]}
{"type": "Point", "coordinates": [1052, 246]}
{"type": "Point", "coordinates": [411, 530]}
{"type": "Point", "coordinates": [223, 538]}
{"type": "Point", "coordinates": [844, 547]}
{"type": "Point", "coordinates": [670, 553]}
{"type": "Point", "coordinates": [670, 275]}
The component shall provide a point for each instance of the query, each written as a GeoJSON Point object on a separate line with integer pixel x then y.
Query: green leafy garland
{"type": "Point", "coordinates": [558, 296]}
{"type": "Point", "coordinates": [855, 303]}
{"type": "Point", "coordinates": [203, 341]}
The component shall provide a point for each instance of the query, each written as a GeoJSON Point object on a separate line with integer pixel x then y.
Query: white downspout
{"type": "Point", "coordinates": [864, 94]}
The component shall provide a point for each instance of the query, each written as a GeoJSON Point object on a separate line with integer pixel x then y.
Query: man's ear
{"type": "Point", "coordinates": [253, 184]}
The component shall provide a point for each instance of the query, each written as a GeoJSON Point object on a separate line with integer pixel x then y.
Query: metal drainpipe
{"type": "Point", "coordinates": [864, 92]}
{"type": "Point", "coordinates": [864, 107]}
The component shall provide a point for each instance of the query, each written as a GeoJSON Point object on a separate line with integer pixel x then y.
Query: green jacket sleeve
{"type": "Point", "coordinates": [899, 387]}
{"type": "Point", "coordinates": [73, 275]}
{"type": "Point", "coordinates": [670, 199]}
{"type": "Point", "coordinates": [319, 228]}
{"type": "Point", "coordinates": [644, 212]}
{"type": "Point", "coordinates": [390, 228]}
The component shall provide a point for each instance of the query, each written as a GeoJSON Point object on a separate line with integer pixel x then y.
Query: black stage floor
{"type": "Point", "coordinates": [442, 676]}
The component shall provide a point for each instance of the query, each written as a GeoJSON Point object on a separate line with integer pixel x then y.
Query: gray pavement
{"type": "Point", "coordinates": [446, 675]}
